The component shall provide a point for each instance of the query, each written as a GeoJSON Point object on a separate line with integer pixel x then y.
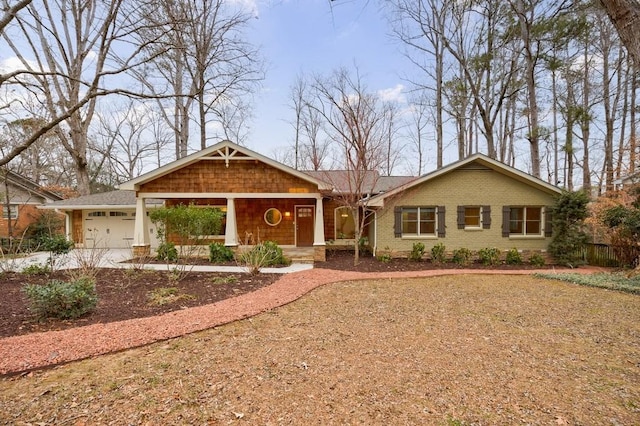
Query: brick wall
{"type": "Point", "coordinates": [27, 214]}
{"type": "Point", "coordinates": [464, 187]}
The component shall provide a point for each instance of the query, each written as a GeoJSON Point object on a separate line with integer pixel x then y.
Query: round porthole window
{"type": "Point", "coordinates": [272, 216]}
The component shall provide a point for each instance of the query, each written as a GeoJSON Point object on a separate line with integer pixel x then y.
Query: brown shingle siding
{"type": "Point", "coordinates": [249, 176]}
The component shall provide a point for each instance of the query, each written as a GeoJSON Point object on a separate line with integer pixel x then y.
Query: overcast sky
{"type": "Point", "coordinates": [316, 36]}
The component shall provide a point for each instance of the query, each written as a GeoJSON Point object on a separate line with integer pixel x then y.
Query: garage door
{"type": "Point", "coordinates": [111, 228]}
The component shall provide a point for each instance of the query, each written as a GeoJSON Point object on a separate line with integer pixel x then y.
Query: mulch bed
{"type": "Point", "coordinates": [125, 294]}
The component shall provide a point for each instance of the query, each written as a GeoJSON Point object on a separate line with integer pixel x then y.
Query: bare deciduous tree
{"type": "Point", "coordinates": [130, 139]}
{"type": "Point", "coordinates": [625, 16]}
{"type": "Point", "coordinates": [209, 64]}
{"type": "Point", "coordinates": [67, 55]}
{"type": "Point", "coordinates": [355, 120]}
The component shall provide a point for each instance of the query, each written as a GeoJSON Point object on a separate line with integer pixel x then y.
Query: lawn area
{"type": "Point", "coordinates": [447, 350]}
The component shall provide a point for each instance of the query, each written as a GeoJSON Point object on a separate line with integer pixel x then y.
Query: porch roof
{"type": "Point", "coordinates": [109, 200]}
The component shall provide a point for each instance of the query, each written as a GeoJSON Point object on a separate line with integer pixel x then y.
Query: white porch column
{"type": "Point", "coordinates": [318, 231]}
{"type": "Point", "coordinates": [231, 231]}
{"type": "Point", "coordinates": [141, 229]}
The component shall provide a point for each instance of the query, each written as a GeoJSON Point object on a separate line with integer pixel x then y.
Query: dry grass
{"type": "Point", "coordinates": [446, 350]}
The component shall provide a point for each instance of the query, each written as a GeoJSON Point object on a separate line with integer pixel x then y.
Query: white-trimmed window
{"type": "Point", "coordinates": [345, 225]}
{"type": "Point", "coordinates": [526, 221]}
{"type": "Point", "coordinates": [419, 221]}
{"type": "Point", "coordinates": [97, 214]}
{"type": "Point", "coordinates": [474, 217]}
{"type": "Point", "coordinates": [10, 211]}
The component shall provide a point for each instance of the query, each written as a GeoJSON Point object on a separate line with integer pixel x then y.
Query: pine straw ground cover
{"type": "Point", "coordinates": [445, 350]}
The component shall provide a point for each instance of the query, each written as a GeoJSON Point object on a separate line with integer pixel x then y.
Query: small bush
{"type": "Point", "coordinates": [537, 259]}
{"type": "Point", "coordinates": [224, 280]}
{"type": "Point", "coordinates": [165, 295]}
{"type": "Point", "coordinates": [167, 252]}
{"type": "Point", "coordinates": [462, 256]}
{"type": "Point", "coordinates": [489, 256]}
{"type": "Point", "coordinates": [417, 251]}
{"type": "Point", "coordinates": [514, 257]}
{"type": "Point", "coordinates": [262, 255]}
{"type": "Point", "coordinates": [63, 300]}
{"type": "Point", "coordinates": [385, 258]}
{"type": "Point", "coordinates": [57, 244]}
{"type": "Point", "coordinates": [438, 253]}
{"type": "Point", "coordinates": [36, 269]}
{"type": "Point", "coordinates": [219, 253]}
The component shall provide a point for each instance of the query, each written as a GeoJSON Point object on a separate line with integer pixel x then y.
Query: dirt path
{"type": "Point", "coordinates": [37, 350]}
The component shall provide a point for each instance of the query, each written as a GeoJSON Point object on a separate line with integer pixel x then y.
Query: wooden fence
{"type": "Point", "coordinates": [606, 255]}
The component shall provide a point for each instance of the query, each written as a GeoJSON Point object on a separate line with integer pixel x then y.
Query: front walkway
{"type": "Point", "coordinates": [114, 258]}
{"type": "Point", "coordinates": [37, 350]}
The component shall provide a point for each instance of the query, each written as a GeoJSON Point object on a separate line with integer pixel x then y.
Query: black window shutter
{"type": "Point", "coordinates": [486, 217]}
{"type": "Point", "coordinates": [397, 227]}
{"type": "Point", "coordinates": [506, 218]}
{"type": "Point", "coordinates": [548, 222]}
{"type": "Point", "coordinates": [460, 217]}
{"type": "Point", "coordinates": [441, 224]}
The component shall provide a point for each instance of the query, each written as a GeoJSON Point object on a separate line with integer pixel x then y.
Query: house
{"type": "Point", "coordinates": [20, 198]}
{"type": "Point", "coordinates": [474, 203]}
{"type": "Point", "coordinates": [627, 181]}
{"type": "Point", "coordinates": [462, 205]}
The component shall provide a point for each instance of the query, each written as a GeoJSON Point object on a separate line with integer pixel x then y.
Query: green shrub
{"type": "Point", "coordinates": [167, 252]}
{"type": "Point", "coordinates": [57, 244]}
{"type": "Point", "coordinates": [63, 300]}
{"type": "Point", "coordinates": [514, 257]}
{"type": "Point", "coordinates": [262, 255]}
{"type": "Point", "coordinates": [568, 214]}
{"type": "Point", "coordinates": [438, 253]}
{"type": "Point", "coordinates": [462, 256]}
{"type": "Point", "coordinates": [489, 256]}
{"type": "Point", "coordinates": [385, 258]}
{"type": "Point", "coordinates": [36, 269]}
{"type": "Point", "coordinates": [219, 253]}
{"type": "Point", "coordinates": [417, 251]}
{"type": "Point", "coordinates": [537, 259]}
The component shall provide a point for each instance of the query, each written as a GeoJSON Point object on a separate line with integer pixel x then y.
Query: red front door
{"type": "Point", "coordinates": [304, 226]}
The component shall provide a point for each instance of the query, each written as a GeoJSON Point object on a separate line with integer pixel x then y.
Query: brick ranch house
{"type": "Point", "coordinates": [20, 198]}
{"type": "Point", "coordinates": [474, 203]}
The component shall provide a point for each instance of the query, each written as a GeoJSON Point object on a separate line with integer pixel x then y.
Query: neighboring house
{"type": "Point", "coordinates": [627, 181]}
{"type": "Point", "coordinates": [474, 203]}
{"type": "Point", "coordinates": [20, 198]}
{"type": "Point", "coordinates": [102, 220]}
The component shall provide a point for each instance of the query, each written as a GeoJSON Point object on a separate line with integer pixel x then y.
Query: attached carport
{"type": "Point", "coordinates": [103, 220]}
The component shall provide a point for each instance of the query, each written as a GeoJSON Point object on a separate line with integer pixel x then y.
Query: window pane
{"type": "Point", "coordinates": [472, 216]}
{"type": "Point", "coordinates": [427, 228]}
{"type": "Point", "coordinates": [12, 211]}
{"type": "Point", "coordinates": [427, 214]}
{"type": "Point", "coordinates": [427, 221]}
{"type": "Point", "coordinates": [534, 215]}
{"type": "Point", "coordinates": [409, 214]}
{"type": "Point", "coordinates": [517, 219]}
{"type": "Point", "coordinates": [345, 225]}
{"type": "Point", "coordinates": [409, 227]}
